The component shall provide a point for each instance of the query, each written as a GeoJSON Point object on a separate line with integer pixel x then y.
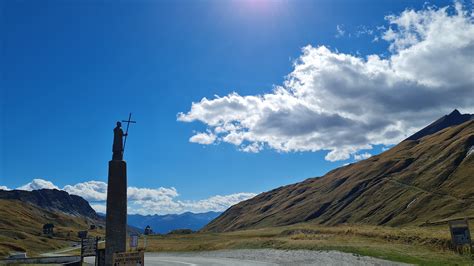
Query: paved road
{"type": "Point", "coordinates": [253, 257]}
{"type": "Point", "coordinates": [157, 259]}
{"type": "Point", "coordinates": [61, 252]}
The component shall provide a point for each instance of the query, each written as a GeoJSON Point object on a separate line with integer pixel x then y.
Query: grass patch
{"type": "Point", "coordinates": [415, 245]}
{"type": "Point", "coordinates": [21, 229]}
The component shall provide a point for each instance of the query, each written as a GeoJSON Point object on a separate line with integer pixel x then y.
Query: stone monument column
{"type": "Point", "coordinates": [116, 216]}
{"type": "Point", "coordinates": [116, 213]}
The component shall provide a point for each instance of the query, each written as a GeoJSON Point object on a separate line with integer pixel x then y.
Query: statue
{"type": "Point", "coordinates": [117, 148]}
{"type": "Point", "coordinates": [119, 144]}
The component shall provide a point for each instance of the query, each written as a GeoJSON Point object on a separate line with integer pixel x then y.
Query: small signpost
{"type": "Point", "coordinates": [460, 235]}
{"type": "Point", "coordinates": [133, 241]}
{"type": "Point", "coordinates": [100, 259]}
{"type": "Point", "coordinates": [82, 234]}
{"type": "Point", "coordinates": [129, 259]}
{"type": "Point", "coordinates": [144, 244]}
{"type": "Point", "coordinates": [89, 247]}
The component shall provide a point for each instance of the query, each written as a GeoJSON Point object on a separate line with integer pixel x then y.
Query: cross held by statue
{"type": "Point", "coordinates": [126, 131]}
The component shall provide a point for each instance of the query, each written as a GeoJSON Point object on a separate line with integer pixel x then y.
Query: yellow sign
{"type": "Point", "coordinates": [129, 259]}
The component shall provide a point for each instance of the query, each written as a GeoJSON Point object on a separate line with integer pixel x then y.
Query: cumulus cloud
{"type": "Point", "coordinates": [362, 156]}
{"type": "Point", "coordinates": [171, 205]}
{"type": "Point", "coordinates": [343, 103]}
{"type": "Point", "coordinates": [38, 184]}
{"type": "Point", "coordinates": [144, 194]}
{"type": "Point", "coordinates": [203, 138]}
{"type": "Point", "coordinates": [4, 188]}
{"type": "Point", "coordinates": [90, 191]}
{"type": "Point", "coordinates": [99, 207]}
{"type": "Point", "coordinates": [144, 200]}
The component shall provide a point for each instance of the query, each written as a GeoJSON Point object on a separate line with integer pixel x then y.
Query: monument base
{"type": "Point", "coordinates": [116, 213]}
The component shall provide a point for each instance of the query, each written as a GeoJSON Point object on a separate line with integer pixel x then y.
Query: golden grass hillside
{"type": "Point", "coordinates": [427, 179]}
{"type": "Point", "coordinates": [21, 228]}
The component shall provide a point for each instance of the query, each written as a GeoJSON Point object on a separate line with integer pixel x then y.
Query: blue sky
{"type": "Point", "coordinates": [70, 69]}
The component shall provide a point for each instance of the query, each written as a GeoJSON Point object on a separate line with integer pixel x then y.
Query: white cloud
{"type": "Point", "coordinates": [144, 194]}
{"type": "Point", "coordinates": [364, 30]}
{"type": "Point", "coordinates": [340, 31]}
{"type": "Point", "coordinates": [99, 207]}
{"type": "Point", "coordinates": [144, 200]}
{"type": "Point", "coordinates": [38, 184]}
{"type": "Point", "coordinates": [4, 188]}
{"type": "Point", "coordinates": [203, 138]}
{"type": "Point", "coordinates": [216, 203]}
{"type": "Point", "coordinates": [344, 103]}
{"type": "Point", "coordinates": [171, 205]}
{"type": "Point", "coordinates": [386, 148]}
{"type": "Point", "coordinates": [362, 156]}
{"type": "Point", "coordinates": [254, 147]}
{"type": "Point", "coordinates": [91, 190]}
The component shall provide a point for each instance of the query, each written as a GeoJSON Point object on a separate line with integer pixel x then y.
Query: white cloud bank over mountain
{"type": "Point", "coordinates": [36, 184]}
{"type": "Point", "coordinates": [143, 200]}
{"type": "Point", "coordinates": [344, 103]}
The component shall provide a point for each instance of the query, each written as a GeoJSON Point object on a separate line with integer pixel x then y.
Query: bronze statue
{"type": "Point", "coordinates": [117, 148]}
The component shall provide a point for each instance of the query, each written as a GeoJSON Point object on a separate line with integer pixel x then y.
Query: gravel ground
{"type": "Point", "coordinates": [267, 257]}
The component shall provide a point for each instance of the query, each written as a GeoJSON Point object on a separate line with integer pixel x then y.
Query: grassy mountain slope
{"type": "Point", "coordinates": [21, 226]}
{"type": "Point", "coordinates": [52, 199]}
{"type": "Point", "coordinates": [426, 179]}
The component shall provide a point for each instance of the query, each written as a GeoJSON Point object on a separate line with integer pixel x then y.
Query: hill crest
{"type": "Point", "coordinates": [423, 179]}
{"type": "Point", "coordinates": [53, 200]}
{"type": "Point", "coordinates": [453, 119]}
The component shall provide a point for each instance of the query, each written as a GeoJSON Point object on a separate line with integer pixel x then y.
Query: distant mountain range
{"type": "Point", "coordinates": [426, 178]}
{"type": "Point", "coordinates": [165, 223]}
{"type": "Point", "coordinates": [53, 200]}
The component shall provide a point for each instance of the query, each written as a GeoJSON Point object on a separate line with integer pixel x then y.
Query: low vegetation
{"type": "Point", "coordinates": [416, 182]}
{"type": "Point", "coordinates": [417, 245]}
{"type": "Point", "coordinates": [22, 224]}
{"type": "Point", "coordinates": [181, 232]}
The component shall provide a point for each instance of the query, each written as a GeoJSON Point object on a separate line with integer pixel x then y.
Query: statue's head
{"type": "Point", "coordinates": [119, 124]}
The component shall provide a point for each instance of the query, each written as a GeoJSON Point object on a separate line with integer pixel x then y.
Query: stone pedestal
{"type": "Point", "coordinates": [116, 214]}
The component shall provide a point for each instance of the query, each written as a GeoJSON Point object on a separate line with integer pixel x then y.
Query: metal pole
{"type": "Point", "coordinates": [82, 249]}
{"type": "Point", "coordinates": [96, 262]}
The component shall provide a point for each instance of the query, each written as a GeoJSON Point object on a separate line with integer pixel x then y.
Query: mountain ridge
{"type": "Point", "coordinates": [53, 200]}
{"type": "Point", "coordinates": [417, 180]}
{"type": "Point", "coordinates": [452, 119]}
{"type": "Point", "coordinates": [24, 213]}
